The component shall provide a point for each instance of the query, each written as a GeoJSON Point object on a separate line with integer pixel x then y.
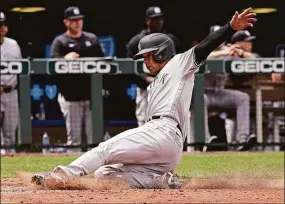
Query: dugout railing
{"type": "Point", "coordinates": [100, 66]}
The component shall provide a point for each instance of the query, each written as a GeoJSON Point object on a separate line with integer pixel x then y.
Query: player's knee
{"type": "Point", "coordinates": [243, 97]}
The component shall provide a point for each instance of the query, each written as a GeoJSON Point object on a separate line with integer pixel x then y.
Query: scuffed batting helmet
{"type": "Point", "coordinates": [159, 44]}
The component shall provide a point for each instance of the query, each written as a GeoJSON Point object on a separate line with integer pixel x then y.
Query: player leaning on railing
{"type": "Point", "coordinates": [145, 157]}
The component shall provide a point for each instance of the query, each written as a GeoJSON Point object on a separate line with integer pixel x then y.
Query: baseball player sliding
{"type": "Point", "coordinates": [146, 156]}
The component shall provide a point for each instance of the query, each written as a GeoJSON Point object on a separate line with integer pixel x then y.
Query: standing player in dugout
{"type": "Point", "coordinates": [146, 156]}
{"type": "Point", "coordinates": [9, 111]}
{"type": "Point", "coordinates": [74, 90]}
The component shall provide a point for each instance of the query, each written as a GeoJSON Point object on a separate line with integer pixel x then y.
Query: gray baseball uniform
{"type": "Point", "coordinates": [144, 154]}
{"type": "Point", "coordinates": [216, 95]}
{"type": "Point", "coordinates": [141, 105]}
{"type": "Point", "coordinates": [9, 101]}
{"type": "Point", "coordinates": [140, 155]}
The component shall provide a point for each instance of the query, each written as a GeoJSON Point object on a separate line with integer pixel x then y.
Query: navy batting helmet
{"type": "Point", "coordinates": [159, 44]}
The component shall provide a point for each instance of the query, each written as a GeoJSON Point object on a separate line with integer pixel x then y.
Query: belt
{"type": "Point", "coordinates": [7, 89]}
{"type": "Point", "coordinates": [158, 117]}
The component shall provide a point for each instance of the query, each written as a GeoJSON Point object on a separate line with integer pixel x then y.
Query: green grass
{"type": "Point", "coordinates": [10, 165]}
{"type": "Point", "coordinates": [270, 165]}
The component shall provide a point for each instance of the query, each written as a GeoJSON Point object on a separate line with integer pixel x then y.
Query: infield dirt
{"type": "Point", "coordinates": [237, 189]}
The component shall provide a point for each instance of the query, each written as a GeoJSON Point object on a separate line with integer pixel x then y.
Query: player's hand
{"type": "Point", "coordinates": [243, 20]}
{"type": "Point", "coordinates": [276, 77]}
{"type": "Point", "coordinates": [71, 56]}
{"type": "Point", "coordinates": [235, 50]}
{"type": "Point", "coordinates": [239, 52]}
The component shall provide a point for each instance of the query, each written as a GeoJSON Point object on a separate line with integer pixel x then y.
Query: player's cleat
{"type": "Point", "coordinates": [208, 147]}
{"type": "Point", "coordinates": [39, 178]}
{"type": "Point", "coordinates": [247, 145]}
{"type": "Point", "coordinates": [50, 180]}
{"type": "Point", "coordinates": [55, 180]}
{"type": "Point", "coordinates": [172, 180]}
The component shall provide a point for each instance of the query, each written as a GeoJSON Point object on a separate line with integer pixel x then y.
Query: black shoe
{"type": "Point", "coordinates": [250, 143]}
{"type": "Point", "coordinates": [212, 140]}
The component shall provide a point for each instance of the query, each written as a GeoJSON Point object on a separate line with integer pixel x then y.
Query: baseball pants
{"type": "Point", "coordinates": [139, 156]}
{"type": "Point", "coordinates": [9, 117]}
{"type": "Point", "coordinates": [227, 98]}
{"type": "Point", "coordinates": [75, 112]}
{"type": "Point", "coordinates": [141, 105]}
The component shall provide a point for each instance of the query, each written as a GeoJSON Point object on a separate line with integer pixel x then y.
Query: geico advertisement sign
{"type": "Point", "coordinates": [257, 66]}
{"type": "Point", "coordinates": [80, 67]}
{"type": "Point", "coordinates": [15, 67]}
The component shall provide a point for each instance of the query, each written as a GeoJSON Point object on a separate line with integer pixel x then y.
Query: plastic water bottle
{"type": "Point", "coordinates": [45, 143]}
{"type": "Point", "coordinates": [42, 114]}
{"type": "Point", "coordinates": [61, 150]}
{"type": "Point", "coordinates": [107, 136]}
{"type": "Point", "coordinates": [223, 115]}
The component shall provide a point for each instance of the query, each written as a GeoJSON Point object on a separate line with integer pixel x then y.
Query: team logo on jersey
{"type": "Point", "coordinates": [88, 43]}
{"type": "Point", "coordinates": [51, 91]}
{"type": "Point", "coordinates": [160, 79]}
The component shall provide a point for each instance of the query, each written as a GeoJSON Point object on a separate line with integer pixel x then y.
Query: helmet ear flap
{"type": "Point", "coordinates": [159, 56]}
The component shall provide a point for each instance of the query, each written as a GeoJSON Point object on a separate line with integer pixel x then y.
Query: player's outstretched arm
{"type": "Point", "coordinates": [215, 39]}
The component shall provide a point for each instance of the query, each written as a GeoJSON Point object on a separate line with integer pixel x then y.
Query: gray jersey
{"type": "Point", "coordinates": [170, 93]}
{"type": "Point", "coordinates": [10, 50]}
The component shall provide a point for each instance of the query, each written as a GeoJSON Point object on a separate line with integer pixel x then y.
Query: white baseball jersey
{"type": "Point", "coordinates": [170, 93]}
{"type": "Point", "coordinates": [9, 50]}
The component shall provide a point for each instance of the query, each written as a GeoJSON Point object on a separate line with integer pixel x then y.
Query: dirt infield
{"type": "Point", "coordinates": [223, 190]}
